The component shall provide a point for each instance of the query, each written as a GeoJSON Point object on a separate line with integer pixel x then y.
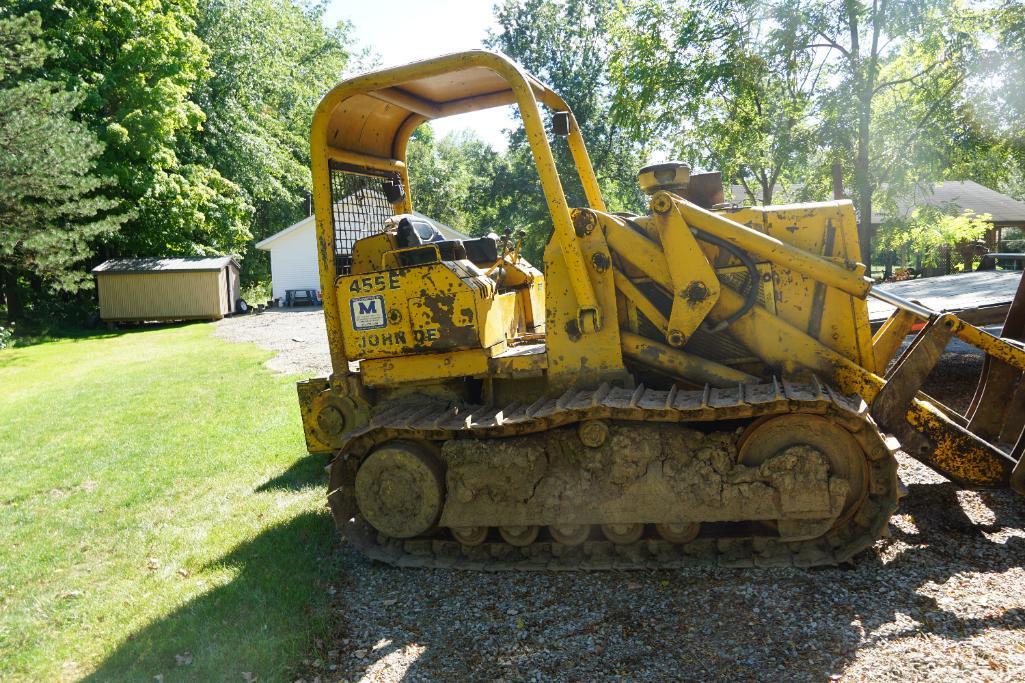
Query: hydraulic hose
{"type": "Point", "coordinates": [750, 298]}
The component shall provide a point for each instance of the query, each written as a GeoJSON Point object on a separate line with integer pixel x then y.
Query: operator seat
{"type": "Point", "coordinates": [415, 231]}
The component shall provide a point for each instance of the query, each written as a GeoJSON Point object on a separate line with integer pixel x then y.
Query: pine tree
{"type": "Point", "coordinates": [52, 209]}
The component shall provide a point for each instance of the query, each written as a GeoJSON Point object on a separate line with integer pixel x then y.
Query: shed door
{"type": "Point", "coordinates": [231, 287]}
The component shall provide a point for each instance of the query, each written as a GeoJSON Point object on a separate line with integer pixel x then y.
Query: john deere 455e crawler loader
{"type": "Point", "coordinates": [698, 384]}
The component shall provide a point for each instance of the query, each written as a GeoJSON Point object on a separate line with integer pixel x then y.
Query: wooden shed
{"type": "Point", "coordinates": [137, 289]}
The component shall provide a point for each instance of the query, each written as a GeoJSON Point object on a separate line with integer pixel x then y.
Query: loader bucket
{"type": "Point", "coordinates": [983, 447]}
{"type": "Point", "coordinates": [997, 411]}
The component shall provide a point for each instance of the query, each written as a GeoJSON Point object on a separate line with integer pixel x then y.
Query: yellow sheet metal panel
{"type": "Point", "coordinates": [427, 308]}
{"type": "Point", "coordinates": [161, 296]}
{"type": "Point", "coordinates": [424, 367]}
{"type": "Point", "coordinates": [519, 362]}
{"type": "Point", "coordinates": [501, 318]}
{"type": "Point", "coordinates": [847, 275]}
{"type": "Point", "coordinates": [496, 361]}
{"type": "Point", "coordinates": [368, 253]}
{"type": "Point", "coordinates": [825, 229]}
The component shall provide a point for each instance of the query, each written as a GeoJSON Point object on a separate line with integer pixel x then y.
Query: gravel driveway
{"type": "Point", "coordinates": [297, 335]}
{"type": "Point", "coordinates": [942, 599]}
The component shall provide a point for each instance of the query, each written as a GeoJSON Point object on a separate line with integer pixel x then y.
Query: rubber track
{"type": "Point", "coordinates": [439, 422]}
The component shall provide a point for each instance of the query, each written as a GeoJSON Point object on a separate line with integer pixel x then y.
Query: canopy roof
{"type": "Point", "coordinates": [374, 113]}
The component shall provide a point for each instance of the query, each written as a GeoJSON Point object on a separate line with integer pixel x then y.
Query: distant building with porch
{"type": "Point", "coordinates": [1006, 212]}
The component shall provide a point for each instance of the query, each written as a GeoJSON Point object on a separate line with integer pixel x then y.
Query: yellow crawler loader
{"type": "Point", "coordinates": [696, 385]}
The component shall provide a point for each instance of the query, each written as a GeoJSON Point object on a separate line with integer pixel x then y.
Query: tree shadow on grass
{"type": "Point", "coordinates": [10, 357]}
{"type": "Point", "coordinates": [305, 472]}
{"type": "Point", "coordinates": [260, 622]}
{"type": "Point", "coordinates": [13, 356]}
{"type": "Point", "coordinates": [48, 334]}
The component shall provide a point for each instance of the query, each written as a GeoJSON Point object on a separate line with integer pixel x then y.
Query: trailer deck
{"type": "Point", "coordinates": [979, 298]}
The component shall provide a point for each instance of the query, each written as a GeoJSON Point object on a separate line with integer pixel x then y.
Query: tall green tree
{"type": "Point", "coordinates": [52, 205]}
{"type": "Point", "coordinates": [710, 81]}
{"type": "Point", "coordinates": [270, 62]}
{"type": "Point", "coordinates": [903, 63]}
{"type": "Point", "coordinates": [784, 89]}
{"type": "Point", "coordinates": [138, 63]}
{"type": "Point", "coordinates": [1005, 110]}
{"type": "Point", "coordinates": [1009, 65]}
{"type": "Point", "coordinates": [567, 46]}
{"type": "Point", "coordinates": [453, 180]}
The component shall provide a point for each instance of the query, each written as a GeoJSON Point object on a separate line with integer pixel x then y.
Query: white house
{"type": "Point", "coordinates": [293, 255]}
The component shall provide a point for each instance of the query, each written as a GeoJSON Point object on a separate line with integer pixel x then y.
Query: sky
{"type": "Point", "coordinates": [403, 31]}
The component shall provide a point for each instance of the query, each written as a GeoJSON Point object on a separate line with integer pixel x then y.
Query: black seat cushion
{"type": "Point", "coordinates": [414, 232]}
{"type": "Point", "coordinates": [481, 251]}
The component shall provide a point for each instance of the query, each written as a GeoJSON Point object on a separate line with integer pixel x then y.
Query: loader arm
{"type": "Point", "coordinates": [955, 445]}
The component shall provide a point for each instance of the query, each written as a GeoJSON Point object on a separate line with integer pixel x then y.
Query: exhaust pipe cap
{"type": "Point", "coordinates": [670, 176]}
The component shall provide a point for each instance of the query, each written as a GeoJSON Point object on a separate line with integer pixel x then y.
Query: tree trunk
{"type": "Point", "coordinates": [837, 180]}
{"type": "Point", "coordinates": [863, 184]}
{"type": "Point", "coordinates": [15, 308]}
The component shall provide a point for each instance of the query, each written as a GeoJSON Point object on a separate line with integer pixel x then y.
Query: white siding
{"type": "Point", "coordinates": [293, 260]}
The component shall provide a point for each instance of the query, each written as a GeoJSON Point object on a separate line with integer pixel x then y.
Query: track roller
{"type": "Point", "coordinates": [470, 535]}
{"type": "Point", "coordinates": [570, 534]}
{"type": "Point", "coordinates": [678, 533]}
{"type": "Point", "coordinates": [623, 533]}
{"type": "Point", "coordinates": [519, 536]}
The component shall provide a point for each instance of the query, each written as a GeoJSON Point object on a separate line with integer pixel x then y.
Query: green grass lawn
{"type": "Point", "coordinates": [158, 512]}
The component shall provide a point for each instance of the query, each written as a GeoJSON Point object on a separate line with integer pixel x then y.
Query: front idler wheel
{"type": "Point", "coordinates": [400, 489]}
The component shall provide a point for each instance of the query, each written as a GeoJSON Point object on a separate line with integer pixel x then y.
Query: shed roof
{"type": "Point", "coordinates": [162, 265]}
{"type": "Point", "coordinates": [964, 194]}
